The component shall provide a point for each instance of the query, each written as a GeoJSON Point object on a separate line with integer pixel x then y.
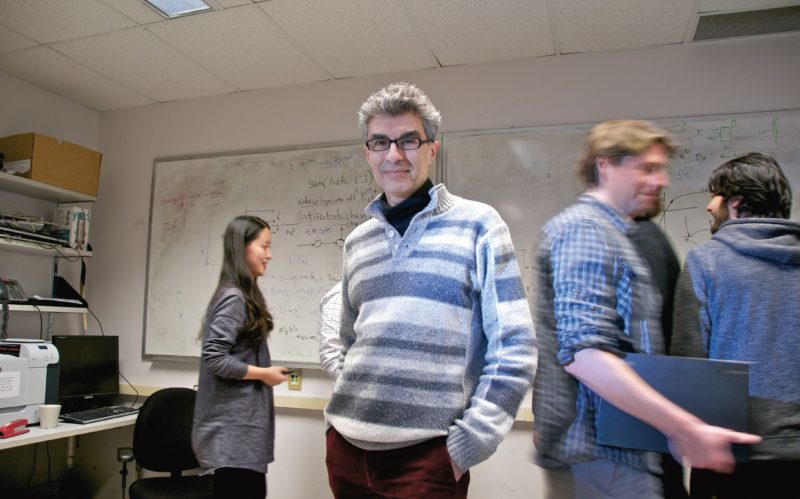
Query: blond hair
{"type": "Point", "coordinates": [617, 139]}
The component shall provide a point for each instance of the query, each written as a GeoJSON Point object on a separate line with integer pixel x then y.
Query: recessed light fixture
{"type": "Point", "coordinates": [177, 8]}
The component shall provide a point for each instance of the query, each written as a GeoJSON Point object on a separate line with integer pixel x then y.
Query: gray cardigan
{"type": "Point", "coordinates": [234, 419]}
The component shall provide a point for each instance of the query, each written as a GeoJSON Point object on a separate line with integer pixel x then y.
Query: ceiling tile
{"type": "Point", "coordinates": [472, 31]}
{"type": "Point", "coordinates": [51, 71]}
{"type": "Point", "coordinates": [138, 10]}
{"type": "Point", "coordinates": [54, 20]}
{"type": "Point", "coordinates": [144, 63]}
{"type": "Point", "coordinates": [243, 46]}
{"type": "Point", "coordinates": [719, 5]}
{"type": "Point", "coordinates": [595, 25]}
{"type": "Point", "coordinates": [353, 37]}
{"type": "Point", "coordinates": [11, 40]}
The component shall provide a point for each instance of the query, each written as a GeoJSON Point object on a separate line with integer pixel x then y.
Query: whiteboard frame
{"type": "Point", "coordinates": [446, 175]}
{"type": "Point", "coordinates": [171, 159]}
{"type": "Point", "coordinates": [442, 170]}
{"type": "Point", "coordinates": [442, 157]}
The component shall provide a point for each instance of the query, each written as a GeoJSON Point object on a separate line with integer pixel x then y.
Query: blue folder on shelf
{"type": "Point", "coordinates": [713, 390]}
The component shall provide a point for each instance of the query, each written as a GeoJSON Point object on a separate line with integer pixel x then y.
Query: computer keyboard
{"type": "Point", "coordinates": [98, 414]}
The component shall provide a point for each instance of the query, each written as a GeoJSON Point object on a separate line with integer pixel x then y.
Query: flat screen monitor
{"type": "Point", "coordinates": [88, 370]}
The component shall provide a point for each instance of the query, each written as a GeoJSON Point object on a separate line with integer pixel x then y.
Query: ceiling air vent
{"type": "Point", "coordinates": [754, 22]}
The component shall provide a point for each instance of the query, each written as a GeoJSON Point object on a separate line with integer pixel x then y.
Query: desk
{"type": "Point", "coordinates": [65, 430]}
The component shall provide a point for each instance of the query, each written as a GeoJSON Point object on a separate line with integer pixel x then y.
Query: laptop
{"type": "Point", "coordinates": [713, 390]}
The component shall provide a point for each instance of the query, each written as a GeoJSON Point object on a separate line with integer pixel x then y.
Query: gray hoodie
{"type": "Point", "coordinates": [738, 298]}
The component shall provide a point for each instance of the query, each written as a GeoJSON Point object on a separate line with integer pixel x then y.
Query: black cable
{"type": "Point", "coordinates": [136, 399]}
{"type": "Point", "coordinates": [41, 321]}
{"type": "Point", "coordinates": [132, 388]}
{"type": "Point", "coordinates": [98, 320]}
{"type": "Point", "coordinates": [33, 470]}
{"type": "Point", "coordinates": [4, 299]}
{"type": "Point", "coordinates": [4, 326]}
{"type": "Point", "coordinates": [61, 253]}
{"type": "Point", "coordinates": [49, 477]}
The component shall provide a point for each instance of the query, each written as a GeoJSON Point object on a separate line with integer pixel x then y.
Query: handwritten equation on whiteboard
{"type": "Point", "coordinates": [528, 175]}
{"type": "Point", "coordinates": [311, 198]}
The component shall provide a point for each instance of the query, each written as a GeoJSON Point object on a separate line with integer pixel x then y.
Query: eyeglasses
{"type": "Point", "coordinates": [405, 143]}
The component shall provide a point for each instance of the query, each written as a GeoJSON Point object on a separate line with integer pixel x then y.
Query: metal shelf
{"type": "Point", "coordinates": [39, 190]}
{"type": "Point", "coordinates": [32, 188]}
{"type": "Point", "coordinates": [47, 309]}
{"type": "Point", "coordinates": [9, 243]}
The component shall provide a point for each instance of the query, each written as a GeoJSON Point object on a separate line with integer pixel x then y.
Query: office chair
{"type": "Point", "coordinates": [162, 442]}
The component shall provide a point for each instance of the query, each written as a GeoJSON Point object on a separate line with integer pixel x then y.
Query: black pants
{"type": "Point", "coordinates": [754, 479]}
{"type": "Point", "coordinates": [239, 483]}
{"type": "Point", "coordinates": [672, 478]}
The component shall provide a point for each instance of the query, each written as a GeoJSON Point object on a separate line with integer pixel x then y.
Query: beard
{"type": "Point", "coordinates": [719, 218]}
{"type": "Point", "coordinates": [651, 210]}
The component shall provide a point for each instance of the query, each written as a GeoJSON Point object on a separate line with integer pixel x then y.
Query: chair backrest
{"type": "Point", "coordinates": [162, 434]}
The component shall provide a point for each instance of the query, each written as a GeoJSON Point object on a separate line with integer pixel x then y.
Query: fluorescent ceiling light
{"type": "Point", "coordinates": [176, 8]}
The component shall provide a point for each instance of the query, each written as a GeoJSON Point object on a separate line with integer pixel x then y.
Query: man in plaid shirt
{"type": "Point", "coordinates": [330, 345]}
{"type": "Point", "coordinates": [597, 300]}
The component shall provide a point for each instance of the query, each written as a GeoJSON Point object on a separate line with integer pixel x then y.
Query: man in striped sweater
{"type": "Point", "coordinates": [438, 348]}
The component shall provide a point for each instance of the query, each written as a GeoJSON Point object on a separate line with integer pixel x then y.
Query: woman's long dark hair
{"type": "Point", "coordinates": [239, 233]}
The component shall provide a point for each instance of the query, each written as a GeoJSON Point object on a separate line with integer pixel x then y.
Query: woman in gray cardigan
{"type": "Point", "coordinates": [234, 431]}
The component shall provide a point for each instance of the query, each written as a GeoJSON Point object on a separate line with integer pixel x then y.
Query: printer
{"type": "Point", "coordinates": [28, 378]}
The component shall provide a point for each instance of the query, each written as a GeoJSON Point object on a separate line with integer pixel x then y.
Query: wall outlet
{"type": "Point", "coordinates": [296, 380]}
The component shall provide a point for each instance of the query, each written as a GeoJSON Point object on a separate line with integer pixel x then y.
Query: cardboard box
{"type": "Point", "coordinates": [72, 224]}
{"type": "Point", "coordinates": [55, 162]}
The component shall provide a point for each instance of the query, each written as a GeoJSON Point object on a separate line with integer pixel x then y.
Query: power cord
{"type": "Point", "coordinates": [124, 454]}
{"type": "Point", "coordinates": [136, 398]}
{"type": "Point", "coordinates": [49, 475]}
{"type": "Point", "coordinates": [41, 321]}
{"type": "Point", "coordinates": [4, 298]}
{"type": "Point", "coordinates": [102, 333]}
{"type": "Point", "coordinates": [4, 326]}
{"type": "Point", "coordinates": [33, 470]}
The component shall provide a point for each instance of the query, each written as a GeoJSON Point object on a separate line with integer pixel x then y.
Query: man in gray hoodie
{"type": "Point", "coordinates": [737, 299]}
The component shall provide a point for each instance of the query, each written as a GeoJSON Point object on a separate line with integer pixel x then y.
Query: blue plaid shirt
{"type": "Point", "coordinates": [593, 291]}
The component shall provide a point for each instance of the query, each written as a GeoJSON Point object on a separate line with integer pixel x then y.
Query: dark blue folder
{"type": "Point", "coordinates": [713, 390]}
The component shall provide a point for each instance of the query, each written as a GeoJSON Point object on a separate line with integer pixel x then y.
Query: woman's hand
{"type": "Point", "coordinates": [270, 376]}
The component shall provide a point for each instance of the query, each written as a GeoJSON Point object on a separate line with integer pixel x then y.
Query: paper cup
{"type": "Point", "coordinates": [48, 415]}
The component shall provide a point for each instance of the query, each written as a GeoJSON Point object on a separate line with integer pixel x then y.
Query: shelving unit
{"type": "Point", "coordinates": [42, 249]}
{"type": "Point", "coordinates": [47, 309]}
{"type": "Point", "coordinates": [32, 188]}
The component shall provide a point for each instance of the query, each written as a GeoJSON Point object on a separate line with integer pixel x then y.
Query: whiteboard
{"type": "Point", "coordinates": [311, 197]}
{"type": "Point", "coordinates": [528, 175]}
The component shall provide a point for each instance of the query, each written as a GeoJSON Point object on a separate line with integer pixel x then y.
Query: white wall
{"type": "Point", "coordinates": [672, 81]}
{"type": "Point", "coordinates": [25, 108]}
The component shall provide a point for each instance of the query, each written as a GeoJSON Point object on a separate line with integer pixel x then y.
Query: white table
{"type": "Point", "coordinates": [65, 430]}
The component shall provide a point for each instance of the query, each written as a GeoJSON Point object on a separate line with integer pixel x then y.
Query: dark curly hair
{"type": "Point", "coordinates": [759, 184]}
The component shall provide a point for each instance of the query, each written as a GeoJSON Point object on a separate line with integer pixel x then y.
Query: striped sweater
{"type": "Point", "coordinates": [437, 335]}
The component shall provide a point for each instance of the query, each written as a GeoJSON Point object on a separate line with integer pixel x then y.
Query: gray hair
{"type": "Point", "coordinates": [400, 98]}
